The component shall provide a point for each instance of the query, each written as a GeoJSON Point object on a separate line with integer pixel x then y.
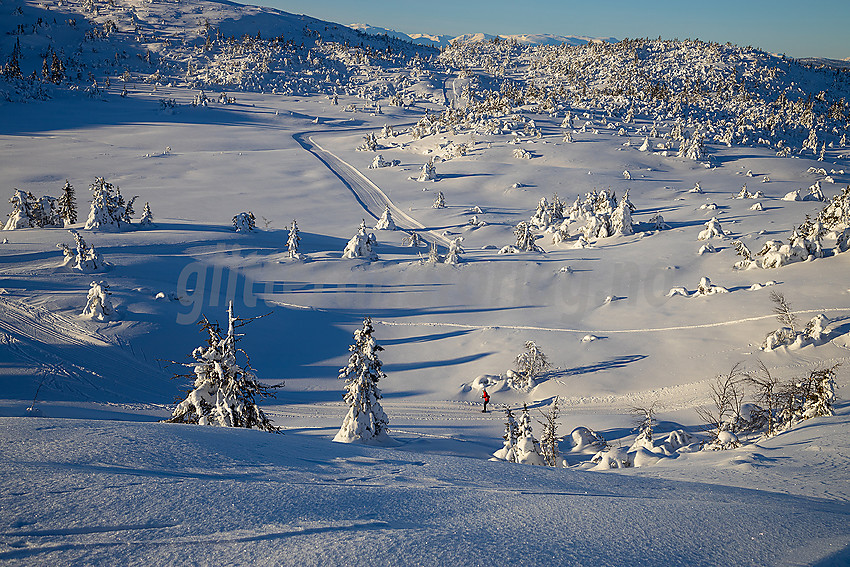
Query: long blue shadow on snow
{"type": "Point", "coordinates": [611, 363]}
{"type": "Point", "coordinates": [400, 367]}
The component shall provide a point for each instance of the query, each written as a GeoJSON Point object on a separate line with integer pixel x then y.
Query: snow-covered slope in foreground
{"type": "Point", "coordinates": [82, 492]}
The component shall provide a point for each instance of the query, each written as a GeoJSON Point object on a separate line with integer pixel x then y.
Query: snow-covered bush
{"type": "Point", "coordinates": [712, 230]}
{"type": "Point", "coordinates": [109, 211]}
{"type": "Point", "coordinates": [584, 440]}
{"type": "Point", "coordinates": [98, 305]}
{"type": "Point", "coordinates": [386, 221]}
{"type": "Point", "coordinates": [224, 392]}
{"type": "Point", "coordinates": [365, 421]}
{"type": "Point", "coordinates": [370, 143]}
{"type": "Point", "coordinates": [379, 162]}
{"type": "Point", "coordinates": [413, 240]}
{"type": "Point", "coordinates": [360, 245]}
{"type": "Point", "coordinates": [82, 257]}
{"type": "Point", "coordinates": [453, 255]}
{"type": "Point", "coordinates": [244, 222]}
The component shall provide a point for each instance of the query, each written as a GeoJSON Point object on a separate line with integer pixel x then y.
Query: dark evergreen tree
{"type": "Point", "coordinates": [68, 203]}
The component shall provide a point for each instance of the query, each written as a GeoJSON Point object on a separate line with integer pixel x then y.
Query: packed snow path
{"type": "Point", "coordinates": [368, 195]}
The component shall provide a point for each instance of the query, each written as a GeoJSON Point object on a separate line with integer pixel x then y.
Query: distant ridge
{"type": "Point", "coordinates": [444, 40]}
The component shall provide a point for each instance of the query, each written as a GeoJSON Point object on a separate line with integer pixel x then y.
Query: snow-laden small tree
{"type": "Point", "coordinates": [386, 221]}
{"type": "Point", "coordinates": [440, 201]}
{"type": "Point", "coordinates": [84, 258]}
{"type": "Point", "coordinates": [21, 215]}
{"type": "Point", "coordinates": [224, 392]}
{"type": "Point", "coordinates": [413, 240]}
{"type": "Point", "coordinates": [429, 171]}
{"type": "Point", "coordinates": [244, 222]}
{"type": "Point", "coordinates": [293, 241]}
{"type": "Point", "coordinates": [529, 364]}
{"type": "Point", "coordinates": [820, 393]}
{"type": "Point", "coordinates": [433, 255]}
{"type": "Point", "coordinates": [98, 305]}
{"type": "Point", "coordinates": [525, 239]}
{"type": "Point", "coordinates": [508, 450]}
{"type": "Point", "coordinates": [621, 218]}
{"type": "Point", "coordinates": [365, 421]}
{"type": "Point", "coordinates": [712, 230]}
{"type": "Point", "coordinates": [147, 216]}
{"type": "Point", "coordinates": [549, 440]}
{"type": "Point", "coordinates": [360, 245]}
{"type": "Point", "coordinates": [527, 448]}
{"type": "Point", "coordinates": [645, 423]}
{"type": "Point", "coordinates": [453, 255]}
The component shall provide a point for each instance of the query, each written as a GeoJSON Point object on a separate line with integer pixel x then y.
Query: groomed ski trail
{"type": "Point", "coordinates": [370, 196]}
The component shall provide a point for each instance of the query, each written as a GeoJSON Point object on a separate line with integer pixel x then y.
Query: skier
{"type": "Point", "coordinates": [486, 398]}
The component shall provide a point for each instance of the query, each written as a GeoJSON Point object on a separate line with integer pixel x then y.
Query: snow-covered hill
{"type": "Point", "coordinates": [637, 211]}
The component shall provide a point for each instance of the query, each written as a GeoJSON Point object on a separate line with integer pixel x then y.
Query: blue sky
{"type": "Point", "coordinates": [799, 28]}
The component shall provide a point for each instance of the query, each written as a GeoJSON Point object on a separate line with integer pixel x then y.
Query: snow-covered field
{"type": "Point", "coordinates": [90, 475]}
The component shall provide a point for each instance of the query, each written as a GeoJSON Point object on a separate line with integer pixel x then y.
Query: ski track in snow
{"type": "Point", "coordinates": [370, 196]}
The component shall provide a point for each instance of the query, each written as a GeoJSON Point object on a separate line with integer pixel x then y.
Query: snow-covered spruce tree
{"type": "Point", "coordinates": [508, 450]}
{"type": "Point", "coordinates": [429, 171]}
{"type": "Point", "coordinates": [527, 448]}
{"type": "Point", "coordinates": [453, 255]}
{"type": "Point", "coordinates": [360, 245]}
{"type": "Point", "coordinates": [98, 305]}
{"type": "Point", "coordinates": [440, 201]}
{"type": "Point", "coordinates": [621, 218]}
{"type": "Point", "coordinates": [549, 440]}
{"type": "Point", "coordinates": [386, 221]}
{"type": "Point", "coordinates": [293, 241]}
{"type": "Point", "coordinates": [45, 212]}
{"type": "Point", "coordinates": [820, 393]}
{"type": "Point", "coordinates": [109, 211]}
{"type": "Point", "coordinates": [366, 420]}
{"type": "Point", "coordinates": [67, 203]}
{"type": "Point", "coordinates": [525, 238]}
{"type": "Point", "coordinates": [224, 392]}
{"type": "Point", "coordinates": [529, 365]}
{"type": "Point", "coordinates": [147, 216]}
{"type": "Point", "coordinates": [244, 222]}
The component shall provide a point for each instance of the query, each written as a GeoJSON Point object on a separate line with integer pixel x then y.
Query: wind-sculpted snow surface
{"type": "Point", "coordinates": [299, 500]}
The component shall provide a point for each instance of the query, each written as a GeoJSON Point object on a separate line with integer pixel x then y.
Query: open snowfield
{"type": "Point", "coordinates": [91, 477]}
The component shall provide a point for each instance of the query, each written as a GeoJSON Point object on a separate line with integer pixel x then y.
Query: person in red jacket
{"type": "Point", "coordinates": [486, 398]}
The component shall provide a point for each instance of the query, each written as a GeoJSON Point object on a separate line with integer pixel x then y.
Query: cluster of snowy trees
{"type": "Point", "coordinates": [29, 211]}
{"type": "Point", "coordinates": [520, 445]}
{"type": "Point", "coordinates": [109, 210]}
{"type": "Point", "coordinates": [806, 240]}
